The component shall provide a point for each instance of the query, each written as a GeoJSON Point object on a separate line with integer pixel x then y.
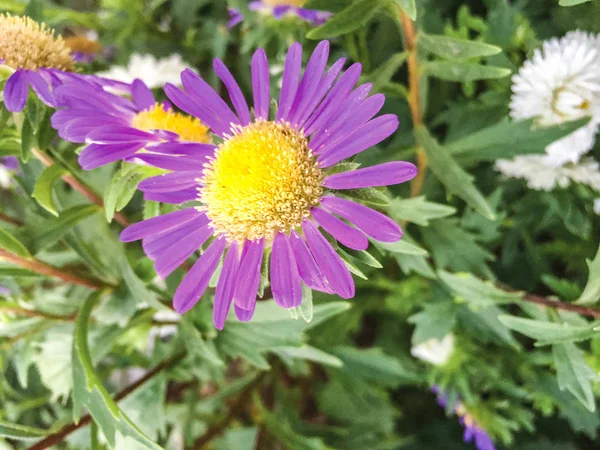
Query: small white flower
{"type": "Point", "coordinates": [542, 175]}
{"type": "Point", "coordinates": [597, 206]}
{"type": "Point", "coordinates": [153, 72]}
{"type": "Point", "coordinates": [434, 351]}
{"type": "Point", "coordinates": [5, 177]}
{"type": "Point", "coordinates": [561, 83]}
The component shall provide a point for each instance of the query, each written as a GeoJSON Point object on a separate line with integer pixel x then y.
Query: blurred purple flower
{"type": "Point", "coordinates": [279, 9]}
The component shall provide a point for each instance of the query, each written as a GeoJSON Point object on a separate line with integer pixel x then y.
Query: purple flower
{"type": "Point", "coordinates": [117, 128]}
{"type": "Point", "coordinates": [269, 185]}
{"type": "Point", "coordinates": [4, 291]}
{"type": "Point", "coordinates": [473, 432]}
{"type": "Point", "coordinates": [280, 9]}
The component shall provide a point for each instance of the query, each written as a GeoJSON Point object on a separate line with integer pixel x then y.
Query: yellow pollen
{"type": "Point", "coordinates": [284, 2]}
{"type": "Point", "coordinates": [27, 44]}
{"type": "Point", "coordinates": [83, 44]}
{"type": "Point", "coordinates": [158, 118]}
{"type": "Point", "coordinates": [263, 179]}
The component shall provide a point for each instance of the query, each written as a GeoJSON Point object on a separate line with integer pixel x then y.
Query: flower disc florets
{"type": "Point", "coordinates": [263, 179]}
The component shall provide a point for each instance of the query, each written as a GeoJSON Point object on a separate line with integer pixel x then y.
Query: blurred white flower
{"type": "Point", "coordinates": [597, 206]}
{"type": "Point", "coordinates": [434, 351]}
{"type": "Point", "coordinates": [153, 72]}
{"type": "Point", "coordinates": [162, 331]}
{"type": "Point", "coordinates": [542, 175]}
{"type": "Point", "coordinates": [561, 83]}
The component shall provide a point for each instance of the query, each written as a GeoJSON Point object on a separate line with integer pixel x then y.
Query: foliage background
{"type": "Point", "coordinates": [345, 379]}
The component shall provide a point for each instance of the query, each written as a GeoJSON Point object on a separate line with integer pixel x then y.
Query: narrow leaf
{"type": "Point", "coordinates": [44, 187]}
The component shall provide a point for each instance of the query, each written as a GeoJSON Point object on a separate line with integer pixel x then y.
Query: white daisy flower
{"type": "Point", "coordinates": [561, 83]}
{"type": "Point", "coordinates": [434, 351]}
{"type": "Point", "coordinates": [153, 72]}
{"type": "Point", "coordinates": [597, 206]}
{"type": "Point", "coordinates": [542, 175]}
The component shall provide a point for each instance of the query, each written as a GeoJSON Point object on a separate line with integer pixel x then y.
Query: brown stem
{"type": "Point", "coordinates": [11, 220]}
{"type": "Point", "coordinates": [408, 29]}
{"type": "Point", "coordinates": [236, 407]}
{"type": "Point", "coordinates": [58, 437]}
{"type": "Point", "coordinates": [30, 313]}
{"type": "Point", "coordinates": [584, 311]}
{"type": "Point", "coordinates": [35, 265]}
{"type": "Point", "coordinates": [86, 191]}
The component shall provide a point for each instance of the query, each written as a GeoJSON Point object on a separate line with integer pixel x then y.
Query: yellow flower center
{"type": "Point", "coordinates": [27, 44]}
{"type": "Point", "coordinates": [158, 118]}
{"type": "Point", "coordinates": [83, 44]}
{"type": "Point", "coordinates": [263, 179]}
{"type": "Point", "coordinates": [284, 2]}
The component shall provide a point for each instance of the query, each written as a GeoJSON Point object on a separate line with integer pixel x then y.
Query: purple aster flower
{"type": "Point", "coordinates": [117, 128]}
{"type": "Point", "coordinates": [41, 66]}
{"type": "Point", "coordinates": [269, 186]}
{"type": "Point", "coordinates": [473, 432]}
{"type": "Point", "coordinates": [4, 291]}
{"type": "Point", "coordinates": [280, 9]}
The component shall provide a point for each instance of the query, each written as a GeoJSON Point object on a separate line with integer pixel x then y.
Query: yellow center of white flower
{"type": "Point", "coordinates": [27, 44]}
{"type": "Point", "coordinates": [284, 2]}
{"type": "Point", "coordinates": [158, 118]}
{"type": "Point", "coordinates": [263, 179]}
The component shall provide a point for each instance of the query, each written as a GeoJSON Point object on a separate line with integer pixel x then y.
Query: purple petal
{"type": "Point", "coordinates": [365, 137]}
{"type": "Point", "coordinates": [342, 232]}
{"type": "Point", "coordinates": [159, 224]}
{"type": "Point", "coordinates": [334, 99]}
{"type": "Point", "coordinates": [310, 80]}
{"type": "Point", "coordinates": [157, 244]}
{"type": "Point", "coordinates": [226, 286]}
{"type": "Point", "coordinates": [244, 315]}
{"type": "Point", "coordinates": [285, 280]}
{"type": "Point", "coordinates": [77, 130]}
{"type": "Point", "coordinates": [197, 150]}
{"type": "Point", "coordinates": [168, 162]}
{"type": "Point", "coordinates": [16, 91]}
{"type": "Point", "coordinates": [281, 10]}
{"type": "Point", "coordinates": [386, 174]}
{"type": "Point", "coordinates": [142, 96]}
{"type": "Point", "coordinates": [373, 223]}
{"type": "Point", "coordinates": [41, 88]}
{"type": "Point", "coordinates": [181, 251]}
{"type": "Point", "coordinates": [235, 93]}
{"type": "Point", "coordinates": [196, 281]}
{"type": "Point", "coordinates": [194, 84]}
{"type": "Point", "coordinates": [173, 198]}
{"type": "Point", "coordinates": [235, 17]}
{"type": "Point", "coordinates": [308, 269]}
{"type": "Point", "coordinates": [261, 84]}
{"type": "Point", "coordinates": [291, 80]}
{"type": "Point", "coordinates": [248, 278]}
{"type": "Point", "coordinates": [96, 155]}
{"type": "Point", "coordinates": [169, 182]}
{"type": "Point", "coordinates": [335, 270]}
{"type": "Point", "coordinates": [117, 134]}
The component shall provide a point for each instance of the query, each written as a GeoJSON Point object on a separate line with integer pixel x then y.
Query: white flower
{"type": "Point", "coordinates": [561, 83]}
{"type": "Point", "coordinates": [153, 72]}
{"type": "Point", "coordinates": [597, 206]}
{"type": "Point", "coordinates": [542, 175]}
{"type": "Point", "coordinates": [5, 177]}
{"type": "Point", "coordinates": [434, 351]}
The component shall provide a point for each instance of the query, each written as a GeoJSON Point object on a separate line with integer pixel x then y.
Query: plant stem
{"type": "Point", "coordinates": [543, 301]}
{"type": "Point", "coordinates": [30, 313]}
{"type": "Point", "coordinates": [58, 437]}
{"type": "Point", "coordinates": [11, 220]}
{"type": "Point", "coordinates": [35, 265]}
{"type": "Point", "coordinates": [80, 187]}
{"type": "Point", "coordinates": [408, 30]}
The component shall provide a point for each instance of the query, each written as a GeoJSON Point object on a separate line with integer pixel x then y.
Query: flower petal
{"type": "Point", "coordinates": [386, 174]}
{"type": "Point", "coordinates": [169, 182]}
{"type": "Point", "coordinates": [41, 87]}
{"type": "Point", "coordinates": [226, 286]}
{"type": "Point", "coordinates": [235, 93]}
{"type": "Point", "coordinates": [244, 315]}
{"type": "Point", "coordinates": [291, 80]}
{"type": "Point", "coordinates": [308, 268]}
{"type": "Point", "coordinates": [142, 96]}
{"type": "Point", "coordinates": [159, 224]}
{"type": "Point", "coordinates": [96, 155]}
{"type": "Point", "coordinates": [173, 198]}
{"type": "Point", "coordinates": [342, 232]}
{"type": "Point", "coordinates": [261, 84]}
{"type": "Point", "coordinates": [16, 91]}
{"type": "Point", "coordinates": [181, 250]}
{"type": "Point", "coordinates": [248, 278]}
{"type": "Point", "coordinates": [285, 280]}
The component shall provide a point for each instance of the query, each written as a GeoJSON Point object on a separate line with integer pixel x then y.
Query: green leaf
{"type": "Point", "coordinates": [572, 2]}
{"type": "Point", "coordinates": [409, 7]}
{"type": "Point", "coordinates": [453, 48]}
{"type": "Point", "coordinates": [402, 247]}
{"type": "Point", "coordinates": [89, 392]}
{"type": "Point", "coordinates": [382, 76]}
{"type": "Point", "coordinates": [20, 432]}
{"type": "Point", "coordinates": [507, 139]}
{"type": "Point", "coordinates": [574, 374]}
{"type": "Point", "coordinates": [18, 327]}
{"type": "Point", "coordinates": [327, 5]}
{"type": "Point", "coordinates": [306, 352]}
{"type": "Point", "coordinates": [591, 293]}
{"type": "Point", "coordinates": [10, 243]}
{"type": "Point", "coordinates": [28, 141]}
{"type": "Point", "coordinates": [55, 229]}
{"type": "Point", "coordinates": [434, 322]}
{"type": "Point", "coordinates": [136, 287]}
{"type": "Point", "coordinates": [305, 310]}
{"type": "Point", "coordinates": [196, 345]}
{"type": "Point", "coordinates": [475, 291]}
{"type": "Point", "coordinates": [546, 333]}
{"type": "Point", "coordinates": [350, 19]}
{"type": "Point", "coordinates": [369, 196]}
{"type": "Point", "coordinates": [486, 326]}
{"type": "Point", "coordinates": [463, 71]}
{"type": "Point", "coordinates": [451, 175]}
{"type": "Point", "coordinates": [418, 210]}
{"type": "Point", "coordinates": [237, 439]}
{"type": "Point", "coordinates": [43, 189]}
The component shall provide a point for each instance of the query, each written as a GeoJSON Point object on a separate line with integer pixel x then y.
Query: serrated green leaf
{"type": "Point", "coordinates": [10, 243]}
{"type": "Point", "coordinates": [451, 175]}
{"type": "Point", "coordinates": [350, 19]}
{"type": "Point", "coordinates": [20, 432]}
{"type": "Point", "coordinates": [402, 247]}
{"type": "Point", "coordinates": [574, 374]}
{"type": "Point", "coordinates": [546, 333]}
{"type": "Point", "coordinates": [370, 196]}
{"type": "Point", "coordinates": [44, 186]}
{"type": "Point", "coordinates": [591, 293]}
{"type": "Point", "coordinates": [485, 324]}
{"type": "Point", "coordinates": [463, 71]}
{"type": "Point", "coordinates": [418, 210]}
{"type": "Point", "coordinates": [89, 392]}
{"type": "Point", "coordinates": [409, 7]}
{"type": "Point", "coordinates": [453, 48]}
{"type": "Point", "coordinates": [475, 291]}
{"type": "Point", "coordinates": [435, 321]}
